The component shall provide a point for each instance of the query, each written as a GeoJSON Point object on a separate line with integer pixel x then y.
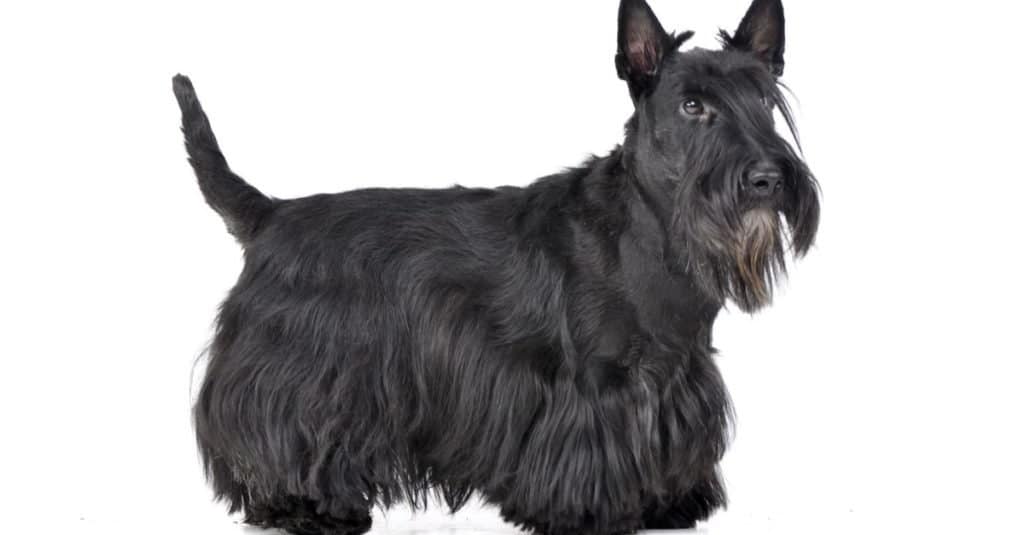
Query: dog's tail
{"type": "Point", "coordinates": [242, 206]}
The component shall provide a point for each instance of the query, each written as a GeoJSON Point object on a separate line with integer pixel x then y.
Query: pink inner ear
{"type": "Point", "coordinates": [642, 56]}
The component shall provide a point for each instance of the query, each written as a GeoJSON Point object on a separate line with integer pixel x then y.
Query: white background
{"type": "Point", "coordinates": [880, 395]}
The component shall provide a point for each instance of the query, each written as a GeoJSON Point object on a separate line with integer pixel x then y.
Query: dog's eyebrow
{"type": "Point", "coordinates": [696, 88]}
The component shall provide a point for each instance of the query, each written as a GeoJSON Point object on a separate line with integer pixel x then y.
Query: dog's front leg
{"type": "Point", "coordinates": [576, 473]}
{"type": "Point", "coordinates": [692, 506]}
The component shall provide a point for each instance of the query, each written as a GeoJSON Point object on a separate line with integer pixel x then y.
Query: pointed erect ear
{"type": "Point", "coordinates": [643, 43]}
{"type": "Point", "coordinates": [762, 33]}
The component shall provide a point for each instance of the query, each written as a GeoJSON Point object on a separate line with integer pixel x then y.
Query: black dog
{"type": "Point", "coordinates": [548, 347]}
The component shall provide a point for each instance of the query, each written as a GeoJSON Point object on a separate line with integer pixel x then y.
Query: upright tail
{"type": "Point", "coordinates": [242, 206]}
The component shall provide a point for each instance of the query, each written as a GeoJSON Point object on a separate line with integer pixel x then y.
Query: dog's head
{"type": "Point", "coordinates": [704, 141]}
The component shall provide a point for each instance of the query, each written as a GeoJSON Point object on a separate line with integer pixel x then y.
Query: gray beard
{"type": "Point", "coordinates": [759, 256]}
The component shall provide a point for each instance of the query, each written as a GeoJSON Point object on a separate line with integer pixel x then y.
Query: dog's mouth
{"type": "Point", "coordinates": [759, 227]}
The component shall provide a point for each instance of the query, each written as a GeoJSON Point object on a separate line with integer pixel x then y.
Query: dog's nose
{"type": "Point", "coordinates": [763, 179]}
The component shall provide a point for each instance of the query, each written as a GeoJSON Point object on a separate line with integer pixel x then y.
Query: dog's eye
{"type": "Point", "coordinates": [692, 106]}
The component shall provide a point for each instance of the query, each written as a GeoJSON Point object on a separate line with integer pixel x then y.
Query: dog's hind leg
{"type": "Point", "coordinates": [684, 512]}
{"type": "Point", "coordinates": [264, 496]}
{"type": "Point", "coordinates": [300, 516]}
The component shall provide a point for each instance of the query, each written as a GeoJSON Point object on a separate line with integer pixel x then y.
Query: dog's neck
{"type": "Point", "coordinates": [655, 274]}
{"type": "Point", "coordinates": [644, 171]}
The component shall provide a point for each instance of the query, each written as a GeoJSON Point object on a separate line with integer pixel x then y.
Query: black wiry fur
{"type": "Point", "coordinates": [548, 347]}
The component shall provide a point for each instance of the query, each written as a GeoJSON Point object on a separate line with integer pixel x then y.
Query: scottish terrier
{"type": "Point", "coordinates": [547, 347]}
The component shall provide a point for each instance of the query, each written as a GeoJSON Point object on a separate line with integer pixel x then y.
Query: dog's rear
{"type": "Point", "coordinates": [242, 206]}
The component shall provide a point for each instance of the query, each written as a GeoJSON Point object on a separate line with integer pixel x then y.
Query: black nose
{"type": "Point", "coordinates": [763, 179]}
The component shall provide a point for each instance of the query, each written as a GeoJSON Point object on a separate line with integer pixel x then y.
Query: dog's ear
{"type": "Point", "coordinates": [643, 44]}
{"type": "Point", "coordinates": [762, 33]}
